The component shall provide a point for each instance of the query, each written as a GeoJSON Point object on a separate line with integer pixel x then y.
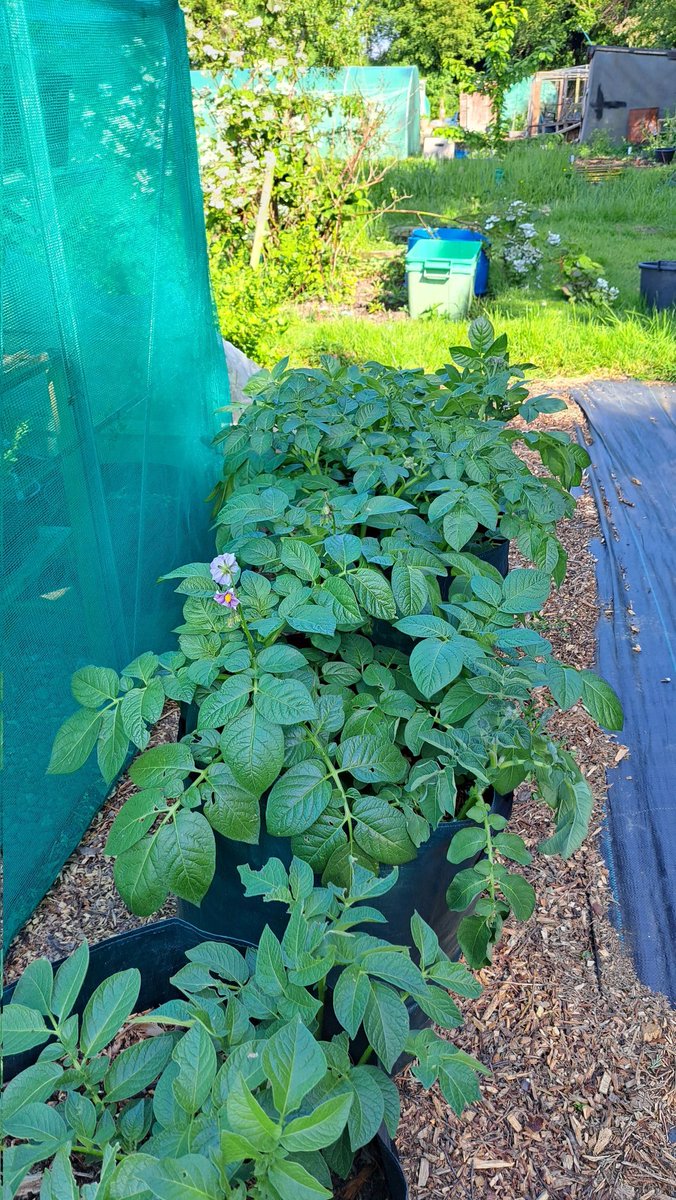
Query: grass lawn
{"type": "Point", "coordinates": [619, 222]}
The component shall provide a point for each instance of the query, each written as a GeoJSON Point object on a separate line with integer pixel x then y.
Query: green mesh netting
{"type": "Point", "coordinates": [112, 371]}
{"type": "Point", "coordinates": [393, 93]}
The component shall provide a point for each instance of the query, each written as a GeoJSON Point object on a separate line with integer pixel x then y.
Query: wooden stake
{"type": "Point", "coordinates": [263, 207]}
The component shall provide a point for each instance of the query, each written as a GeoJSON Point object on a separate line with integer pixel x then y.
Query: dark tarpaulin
{"type": "Point", "coordinates": [633, 478]}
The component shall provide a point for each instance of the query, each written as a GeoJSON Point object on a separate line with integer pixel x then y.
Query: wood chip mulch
{"type": "Point", "coordinates": [84, 902]}
{"type": "Point", "coordinates": [581, 1100]}
{"type": "Point", "coordinates": [582, 1096]}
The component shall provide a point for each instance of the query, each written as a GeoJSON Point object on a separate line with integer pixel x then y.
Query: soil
{"type": "Point", "coordinates": [366, 1180]}
{"type": "Point", "coordinates": [581, 1099]}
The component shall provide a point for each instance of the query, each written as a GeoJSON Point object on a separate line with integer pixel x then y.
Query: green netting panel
{"type": "Point", "coordinates": [112, 372]}
{"type": "Point", "coordinates": [516, 98]}
{"type": "Point", "coordinates": [394, 93]}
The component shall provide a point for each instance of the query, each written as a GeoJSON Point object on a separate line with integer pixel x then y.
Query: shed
{"type": "Point", "coordinates": [556, 101]}
{"type": "Point", "coordinates": [628, 91]}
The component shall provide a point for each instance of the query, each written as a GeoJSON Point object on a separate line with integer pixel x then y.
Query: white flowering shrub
{"type": "Point", "coordinates": [238, 126]}
{"type": "Point", "coordinates": [325, 161]}
{"type": "Point", "coordinates": [519, 242]}
{"type": "Point", "coordinates": [584, 282]}
{"type": "Point", "coordinates": [328, 33]}
{"type": "Point", "coordinates": [525, 250]}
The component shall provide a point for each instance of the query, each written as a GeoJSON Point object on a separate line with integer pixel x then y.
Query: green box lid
{"type": "Point", "coordinates": [434, 250]}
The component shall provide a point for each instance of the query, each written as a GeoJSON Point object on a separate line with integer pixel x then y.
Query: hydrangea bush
{"type": "Point", "coordinates": [526, 250]}
{"type": "Point", "coordinates": [585, 283]}
{"type": "Point", "coordinates": [519, 242]}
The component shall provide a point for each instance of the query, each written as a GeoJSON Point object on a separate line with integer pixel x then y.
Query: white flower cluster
{"type": "Point", "coordinates": [516, 211]}
{"type": "Point", "coordinates": [237, 127]}
{"type": "Point", "coordinates": [607, 292]}
{"type": "Point", "coordinates": [522, 257]}
{"type": "Point", "coordinates": [518, 245]}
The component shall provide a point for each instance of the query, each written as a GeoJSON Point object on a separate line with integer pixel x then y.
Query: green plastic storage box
{"type": "Point", "coordinates": [440, 277]}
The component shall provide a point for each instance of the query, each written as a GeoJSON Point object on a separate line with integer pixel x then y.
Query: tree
{"type": "Point", "coordinates": [442, 40]}
{"type": "Point", "coordinates": [327, 32]}
{"type": "Point", "coordinates": [501, 67]}
{"type": "Point", "coordinates": [654, 24]}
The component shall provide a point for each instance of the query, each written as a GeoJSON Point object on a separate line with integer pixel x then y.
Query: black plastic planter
{"type": "Point", "coordinates": [421, 888]}
{"type": "Point", "coordinates": [665, 154]}
{"type": "Point", "coordinates": [395, 1180]}
{"type": "Point", "coordinates": [658, 283]}
{"type": "Point", "coordinates": [495, 552]}
{"type": "Point", "coordinates": [158, 951]}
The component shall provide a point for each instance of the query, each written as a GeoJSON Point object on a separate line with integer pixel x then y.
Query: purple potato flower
{"type": "Point", "coordinates": [227, 599]}
{"type": "Point", "coordinates": [224, 569]}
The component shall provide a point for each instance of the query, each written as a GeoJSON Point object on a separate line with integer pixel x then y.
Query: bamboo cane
{"type": "Point", "coordinates": [263, 209]}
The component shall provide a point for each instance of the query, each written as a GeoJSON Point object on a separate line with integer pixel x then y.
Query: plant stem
{"type": "Point", "coordinates": [490, 855]}
{"type": "Point", "coordinates": [247, 633]}
{"type": "Point", "coordinates": [337, 780]}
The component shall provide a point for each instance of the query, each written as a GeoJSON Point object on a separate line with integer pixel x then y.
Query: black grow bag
{"type": "Point", "coordinates": [492, 551]}
{"type": "Point", "coordinates": [421, 887]}
{"type": "Point", "coordinates": [158, 951]}
{"type": "Point", "coordinates": [658, 283]}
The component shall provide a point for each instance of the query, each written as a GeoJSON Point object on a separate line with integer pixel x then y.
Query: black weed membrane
{"type": "Point", "coordinates": [633, 450]}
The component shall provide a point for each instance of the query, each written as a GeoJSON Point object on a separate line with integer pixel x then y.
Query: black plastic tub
{"type": "Point", "coordinates": [395, 1180]}
{"type": "Point", "coordinates": [158, 951]}
{"type": "Point", "coordinates": [492, 550]}
{"type": "Point", "coordinates": [665, 154]}
{"type": "Point", "coordinates": [495, 552]}
{"type": "Point", "coordinates": [421, 887]}
{"type": "Point", "coordinates": [658, 283]}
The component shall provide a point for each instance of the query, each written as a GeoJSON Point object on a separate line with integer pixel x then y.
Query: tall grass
{"type": "Point", "coordinates": [562, 344]}
{"type": "Point", "coordinates": [458, 188]}
{"type": "Point", "coordinates": [619, 222]}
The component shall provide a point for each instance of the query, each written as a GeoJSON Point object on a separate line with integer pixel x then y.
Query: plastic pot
{"type": "Point", "coordinates": [494, 551]}
{"type": "Point", "coordinates": [395, 1180]}
{"type": "Point", "coordinates": [658, 283]}
{"type": "Point", "coordinates": [665, 154]}
{"type": "Point", "coordinates": [158, 951]}
{"type": "Point", "coordinates": [421, 888]}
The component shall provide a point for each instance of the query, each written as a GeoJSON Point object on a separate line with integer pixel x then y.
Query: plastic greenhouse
{"type": "Point", "coordinates": [394, 92]}
{"type": "Point", "coordinates": [112, 372]}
